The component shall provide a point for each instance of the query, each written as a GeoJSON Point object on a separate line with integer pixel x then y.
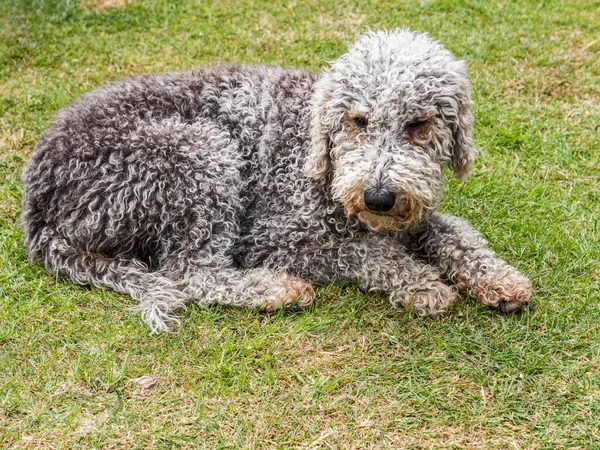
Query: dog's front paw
{"type": "Point", "coordinates": [505, 289]}
{"type": "Point", "coordinates": [431, 299]}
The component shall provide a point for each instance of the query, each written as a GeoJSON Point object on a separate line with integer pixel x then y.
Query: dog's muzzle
{"type": "Point", "coordinates": [387, 210]}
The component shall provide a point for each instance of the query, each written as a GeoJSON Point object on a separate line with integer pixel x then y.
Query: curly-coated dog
{"type": "Point", "coordinates": [238, 184]}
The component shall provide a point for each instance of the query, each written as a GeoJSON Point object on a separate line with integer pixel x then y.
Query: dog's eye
{"type": "Point", "coordinates": [360, 122]}
{"type": "Point", "coordinates": [416, 124]}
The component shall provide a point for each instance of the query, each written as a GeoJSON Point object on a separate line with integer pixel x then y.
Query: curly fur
{"type": "Point", "coordinates": [237, 184]}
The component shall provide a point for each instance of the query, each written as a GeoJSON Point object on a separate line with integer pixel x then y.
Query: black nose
{"type": "Point", "coordinates": [379, 199]}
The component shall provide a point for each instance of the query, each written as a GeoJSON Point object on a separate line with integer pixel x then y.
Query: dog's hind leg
{"type": "Point", "coordinates": [217, 281]}
{"type": "Point", "coordinates": [255, 288]}
{"type": "Point", "coordinates": [159, 296]}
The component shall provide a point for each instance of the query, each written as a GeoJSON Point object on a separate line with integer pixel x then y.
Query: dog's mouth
{"type": "Point", "coordinates": [378, 222]}
{"type": "Point", "coordinates": [407, 209]}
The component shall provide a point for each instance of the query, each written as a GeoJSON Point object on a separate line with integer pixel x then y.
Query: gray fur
{"type": "Point", "coordinates": [238, 184]}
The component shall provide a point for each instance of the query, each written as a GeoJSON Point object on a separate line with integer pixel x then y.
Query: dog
{"type": "Point", "coordinates": [239, 185]}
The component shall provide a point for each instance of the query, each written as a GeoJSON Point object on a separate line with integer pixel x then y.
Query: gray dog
{"type": "Point", "coordinates": [235, 185]}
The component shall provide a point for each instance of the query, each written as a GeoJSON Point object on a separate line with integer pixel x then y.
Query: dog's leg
{"type": "Point", "coordinates": [376, 263]}
{"type": "Point", "coordinates": [215, 281]}
{"type": "Point", "coordinates": [461, 255]}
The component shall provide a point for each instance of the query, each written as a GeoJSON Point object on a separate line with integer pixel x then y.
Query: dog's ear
{"type": "Point", "coordinates": [463, 151]}
{"type": "Point", "coordinates": [318, 160]}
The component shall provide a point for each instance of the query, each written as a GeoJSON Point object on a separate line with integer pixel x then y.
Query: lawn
{"type": "Point", "coordinates": [348, 372]}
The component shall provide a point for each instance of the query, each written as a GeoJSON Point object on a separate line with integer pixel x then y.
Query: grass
{"type": "Point", "coordinates": [348, 372]}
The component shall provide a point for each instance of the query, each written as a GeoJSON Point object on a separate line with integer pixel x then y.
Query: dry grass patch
{"type": "Point", "coordinates": [104, 4]}
{"type": "Point", "coordinates": [14, 140]}
{"type": "Point", "coordinates": [554, 78]}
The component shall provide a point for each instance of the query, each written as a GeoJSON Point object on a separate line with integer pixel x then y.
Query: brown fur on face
{"type": "Point", "coordinates": [353, 126]}
{"type": "Point", "coordinates": [407, 209]}
{"type": "Point", "coordinates": [420, 130]}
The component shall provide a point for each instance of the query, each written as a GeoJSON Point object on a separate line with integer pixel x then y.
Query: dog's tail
{"type": "Point", "coordinates": [158, 296]}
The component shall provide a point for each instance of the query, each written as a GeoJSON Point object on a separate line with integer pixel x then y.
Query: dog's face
{"type": "Point", "coordinates": [387, 117]}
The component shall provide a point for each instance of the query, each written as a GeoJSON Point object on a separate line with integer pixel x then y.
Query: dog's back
{"type": "Point", "coordinates": [137, 174]}
{"type": "Point", "coordinates": [94, 146]}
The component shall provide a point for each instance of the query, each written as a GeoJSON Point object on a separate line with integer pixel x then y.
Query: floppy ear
{"type": "Point", "coordinates": [463, 151]}
{"type": "Point", "coordinates": [318, 161]}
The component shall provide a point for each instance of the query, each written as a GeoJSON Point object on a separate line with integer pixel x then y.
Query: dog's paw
{"type": "Point", "coordinates": [506, 289]}
{"type": "Point", "coordinates": [431, 299]}
{"type": "Point", "coordinates": [285, 291]}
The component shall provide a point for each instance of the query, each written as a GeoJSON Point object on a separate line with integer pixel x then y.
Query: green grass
{"type": "Point", "coordinates": [348, 372]}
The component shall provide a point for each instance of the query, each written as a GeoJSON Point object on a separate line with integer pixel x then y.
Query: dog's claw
{"type": "Point", "coordinates": [513, 307]}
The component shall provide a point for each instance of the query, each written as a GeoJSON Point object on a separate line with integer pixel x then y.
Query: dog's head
{"type": "Point", "coordinates": [386, 117]}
